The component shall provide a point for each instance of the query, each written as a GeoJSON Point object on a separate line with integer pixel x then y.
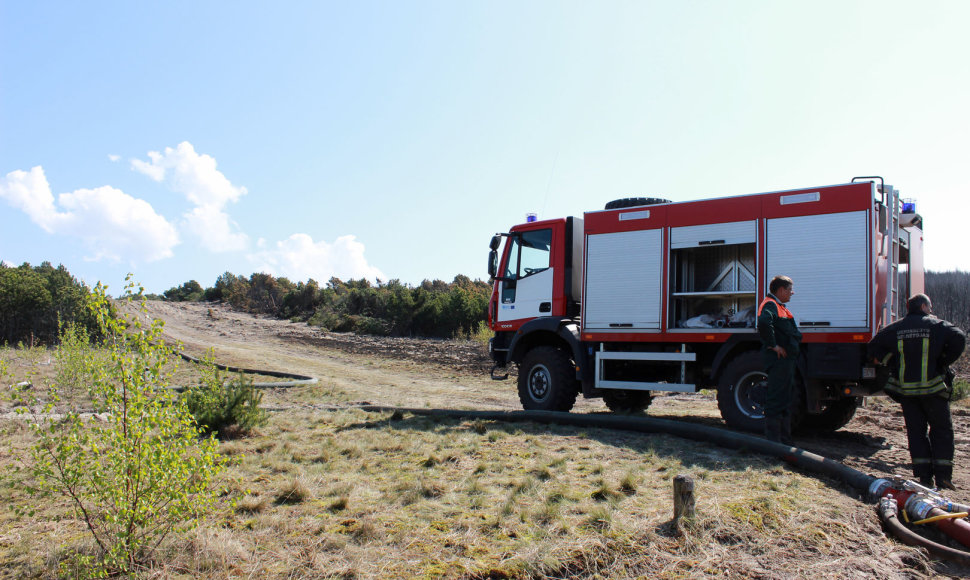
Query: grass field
{"type": "Point", "coordinates": [350, 494]}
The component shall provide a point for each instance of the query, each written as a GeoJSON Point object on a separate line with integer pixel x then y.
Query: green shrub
{"type": "Point", "coordinates": [961, 389]}
{"type": "Point", "coordinates": [78, 363]}
{"type": "Point", "coordinates": [220, 404]}
{"type": "Point", "coordinates": [138, 473]}
{"type": "Point", "coordinates": [482, 333]}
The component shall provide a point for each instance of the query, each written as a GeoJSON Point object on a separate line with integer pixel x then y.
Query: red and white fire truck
{"type": "Point", "coordinates": [649, 295]}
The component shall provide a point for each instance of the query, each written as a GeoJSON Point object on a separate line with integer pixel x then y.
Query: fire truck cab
{"type": "Point", "coordinates": [649, 295]}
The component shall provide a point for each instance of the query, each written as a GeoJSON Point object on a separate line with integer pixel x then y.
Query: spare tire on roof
{"type": "Point", "coordinates": [635, 202]}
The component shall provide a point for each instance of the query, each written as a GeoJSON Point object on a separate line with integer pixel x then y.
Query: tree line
{"type": "Point", "coordinates": [431, 309]}
{"type": "Point", "coordinates": [950, 294]}
{"type": "Point", "coordinates": [36, 300]}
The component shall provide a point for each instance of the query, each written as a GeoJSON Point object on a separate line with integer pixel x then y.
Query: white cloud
{"type": "Point", "coordinates": [195, 176]}
{"type": "Point", "coordinates": [110, 223]}
{"type": "Point", "coordinates": [300, 258]}
{"type": "Point", "coordinates": [114, 158]}
{"type": "Point", "coordinates": [152, 170]}
{"type": "Point", "coordinates": [30, 193]}
{"type": "Point", "coordinates": [215, 229]}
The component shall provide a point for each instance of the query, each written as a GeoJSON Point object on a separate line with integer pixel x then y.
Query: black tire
{"type": "Point", "coordinates": [547, 380]}
{"type": "Point", "coordinates": [635, 202]}
{"type": "Point", "coordinates": [626, 401]}
{"type": "Point", "coordinates": [741, 392]}
{"type": "Point", "coordinates": [834, 416]}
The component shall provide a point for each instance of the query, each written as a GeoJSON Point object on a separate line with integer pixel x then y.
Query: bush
{"type": "Point", "coordinates": [140, 471]}
{"type": "Point", "coordinates": [961, 390]}
{"type": "Point", "coordinates": [77, 363]}
{"type": "Point", "coordinates": [219, 405]}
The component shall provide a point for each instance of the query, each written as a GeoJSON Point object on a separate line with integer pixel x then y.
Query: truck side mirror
{"type": "Point", "coordinates": [494, 244]}
{"type": "Point", "coordinates": [493, 262]}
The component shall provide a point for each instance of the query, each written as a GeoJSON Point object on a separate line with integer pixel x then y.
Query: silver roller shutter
{"type": "Point", "coordinates": [623, 280]}
{"type": "Point", "coordinates": [827, 257]}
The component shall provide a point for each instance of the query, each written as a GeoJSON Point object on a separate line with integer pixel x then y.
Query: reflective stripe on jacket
{"type": "Point", "coordinates": [918, 349]}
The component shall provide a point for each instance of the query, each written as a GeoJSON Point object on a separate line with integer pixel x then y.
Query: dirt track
{"type": "Point", "coordinates": [439, 373]}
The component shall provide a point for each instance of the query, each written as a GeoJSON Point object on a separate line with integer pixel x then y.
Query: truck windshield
{"type": "Point", "coordinates": [529, 254]}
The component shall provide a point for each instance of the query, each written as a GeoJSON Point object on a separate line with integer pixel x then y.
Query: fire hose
{"type": "Point", "coordinates": [892, 494]}
{"type": "Point", "coordinates": [918, 505]}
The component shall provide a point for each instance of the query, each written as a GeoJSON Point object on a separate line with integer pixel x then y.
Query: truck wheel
{"type": "Point", "coordinates": [741, 392]}
{"type": "Point", "coordinates": [834, 416]}
{"type": "Point", "coordinates": [626, 400]}
{"type": "Point", "coordinates": [547, 380]}
{"type": "Point", "coordinates": [634, 202]}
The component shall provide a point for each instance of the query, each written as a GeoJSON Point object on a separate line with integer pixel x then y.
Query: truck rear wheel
{"type": "Point", "coordinates": [834, 416]}
{"type": "Point", "coordinates": [626, 400]}
{"type": "Point", "coordinates": [741, 392]}
{"type": "Point", "coordinates": [547, 380]}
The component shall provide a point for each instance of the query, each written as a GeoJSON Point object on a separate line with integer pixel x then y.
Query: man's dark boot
{"type": "Point", "coordinates": [944, 478]}
{"type": "Point", "coordinates": [785, 429]}
{"type": "Point", "coordinates": [925, 475]}
{"type": "Point", "coordinates": [773, 428]}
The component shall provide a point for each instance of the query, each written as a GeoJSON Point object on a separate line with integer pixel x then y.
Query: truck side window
{"type": "Point", "coordinates": [529, 254]}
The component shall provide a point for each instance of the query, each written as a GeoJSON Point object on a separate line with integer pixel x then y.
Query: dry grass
{"type": "Point", "coordinates": [348, 494]}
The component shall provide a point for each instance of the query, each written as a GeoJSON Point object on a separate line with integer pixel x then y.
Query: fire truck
{"type": "Point", "coordinates": [650, 296]}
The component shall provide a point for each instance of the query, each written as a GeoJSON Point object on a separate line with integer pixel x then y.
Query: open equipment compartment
{"type": "Point", "coordinates": [713, 276]}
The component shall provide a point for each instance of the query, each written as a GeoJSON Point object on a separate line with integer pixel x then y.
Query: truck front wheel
{"type": "Point", "coordinates": [547, 380]}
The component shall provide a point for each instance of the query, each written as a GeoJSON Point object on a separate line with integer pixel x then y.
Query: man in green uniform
{"type": "Point", "coordinates": [779, 349]}
{"type": "Point", "coordinates": [919, 350]}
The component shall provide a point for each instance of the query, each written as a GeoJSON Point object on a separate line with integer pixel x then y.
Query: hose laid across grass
{"type": "Point", "coordinates": [296, 379]}
{"type": "Point", "coordinates": [722, 437]}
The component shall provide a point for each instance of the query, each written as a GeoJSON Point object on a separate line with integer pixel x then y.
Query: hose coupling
{"type": "Point", "coordinates": [918, 506]}
{"type": "Point", "coordinates": [887, 505]}
{"type": "Point", "coordinates": [879, 487]}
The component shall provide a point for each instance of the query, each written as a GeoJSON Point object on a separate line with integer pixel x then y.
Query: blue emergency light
{"type": "Point", "coordinates": [909, 207]}
{"type": "Point", "coordinates": [530, 217]}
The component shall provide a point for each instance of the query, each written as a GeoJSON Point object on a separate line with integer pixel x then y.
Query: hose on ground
{"type": "Point", "coordinates": [722, 437]}
{"type": "Point", "coordinates": [295, 378]}
{"type": "Point", "coordinates": [889, 514]}
{"type": "Point", "coordinates": [888, 511]}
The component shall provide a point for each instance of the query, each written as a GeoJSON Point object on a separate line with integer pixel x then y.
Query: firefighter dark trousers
{"type": "Point", "coordinates": [781, 378]}
{"type": "Point", "coordinates": [932, 455]}
{"type": "Point", "coordinates": [781, 375]}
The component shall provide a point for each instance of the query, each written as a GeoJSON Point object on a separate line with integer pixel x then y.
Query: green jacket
{"type": "Point", "coordinates": [776, 325]}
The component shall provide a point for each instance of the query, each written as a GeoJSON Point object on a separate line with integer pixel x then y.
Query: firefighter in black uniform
{"type": "Point", "coordinates": [779, 350]}
{"type": "Point", "coordinates": [919, 350]}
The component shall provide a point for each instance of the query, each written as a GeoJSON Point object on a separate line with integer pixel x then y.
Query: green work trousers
{"type": "Point", "coordinates": [781, 383]}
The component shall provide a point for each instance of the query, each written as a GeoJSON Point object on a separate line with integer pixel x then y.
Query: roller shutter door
{"type": "Point", "coordinates": [726, 234]}
{"type": "Point", "coordinates": [827, 257]}
{"type": "Point", "coordinates": [623, 280]}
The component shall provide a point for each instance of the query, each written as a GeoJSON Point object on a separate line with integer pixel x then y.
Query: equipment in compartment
{"type": "Point", "coordinates": [713, 286]}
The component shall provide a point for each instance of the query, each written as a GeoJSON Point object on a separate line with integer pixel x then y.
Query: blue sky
{"type": "Point", "coordinates": [179, 140]}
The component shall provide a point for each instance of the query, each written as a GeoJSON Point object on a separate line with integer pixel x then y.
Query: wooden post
{"type": "Point", "coordinates": [683, 498]}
